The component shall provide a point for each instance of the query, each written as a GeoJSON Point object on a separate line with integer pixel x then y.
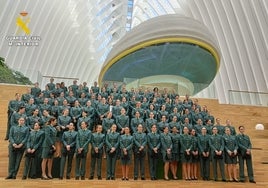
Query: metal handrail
{"type": "Point", "coordinates": [60, 77]}
{"type": "Point", "coordinates": [241, 91]}
{"type": "Point", "coordinates": [253, 97]}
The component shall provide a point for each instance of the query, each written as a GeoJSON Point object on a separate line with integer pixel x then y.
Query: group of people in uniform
{"type": "Point", "coordinates": [116, 124]}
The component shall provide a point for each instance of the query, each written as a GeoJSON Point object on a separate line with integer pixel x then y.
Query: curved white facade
{"type": "Point", "coordinates": [77, 35]}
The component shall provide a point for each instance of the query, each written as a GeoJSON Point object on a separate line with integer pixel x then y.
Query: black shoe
{"type": "Point", "coordinates": [90, 178]}
{"type": "Point", "coordinates": [155, 178]}
{"type": "Point", "coordinates": [77, 178]}
{"type": "Point", "coordinates": [135, 178]}
{"type": "Point", "coordinates": [99, 178]}
{"type": "Point", "coordinates": [82, 177]}
{"type": "Point", "coordinates": [123, 179]}
{"type": "Point", "coordinates": [44, 178]}
{"type": "Point", "coordinates": [60, 178]}
{"type": "Point", "coordinates": [112, 178]}
{"type": "Point", "coordinates": [242, 181]}
{"type": "Point", "coordinates": [50, 177]}
{"type": "Point", "coordinates": [223, 180]}
{"type": "Point", "coordinates": [33, 177]}
{"type": "Point", "coordinates": [68, 177]}
{"type": "Point", "coordinates": [23, 178]}
{"type": "Point", "coordinates": [108, 178]}
{"type": "Point", "coordinates": [142, 178]}
{"type": "Point", "coordinates": [235, 180]}
{"type": "Point", "coordinates": [252, 181]}
{"type": "Point", "coordinates": [152, 178]}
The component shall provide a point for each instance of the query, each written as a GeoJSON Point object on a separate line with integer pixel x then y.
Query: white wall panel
{"type": "Point", "coordinates": [76, 35]}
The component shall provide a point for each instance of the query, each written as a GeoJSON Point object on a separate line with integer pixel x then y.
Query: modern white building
{"type": "Point", "coordinates": [72, 39]}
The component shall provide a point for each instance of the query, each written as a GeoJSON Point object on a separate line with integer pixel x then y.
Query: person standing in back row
{"type": "Point", "coordinates": [244, 154]}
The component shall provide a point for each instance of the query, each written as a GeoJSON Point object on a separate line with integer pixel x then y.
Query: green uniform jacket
{"type": "Point", "coordinates": [122, 121]}
{"type": "Point", "coordinates": [107, 123]}
{"type": "Point", "coordinates": [203, 143]}
{"type": "Point", "coordinates": [83, 139]}
{"type": "Point", "coordinates": [166, 142]}
{"type": "Point", "coordinates": [185, 143]}
{"type": "Point", "coordinates": [216, 142]}
{"type": "Point", "coordinates": [112, 140]}
{"type": "Point", "coordinates": [244, 143]}
{"type": "Point", "coordinates": [139, 140]}
{"type": "Point", "coordinates": [50, 136]}
{"type": "Point", "coordinates": [148, 123]}
{"type": "Point", "coordinates": [126, 141]}
{"type": "Point", "coordinates": [15, 118]}
{"type": "Point", "coordinates": [18, 135]}
{"type": "Point", "coordinates": [69, 138]}
{"type": "Point", "coordinates": [35, 140]}
{"type": "Point", "coordinates": [153, 141]}
{"type": "Point", "coordinates": [135, 122]}
{"type": "Point", "coordinates": [98, 140]}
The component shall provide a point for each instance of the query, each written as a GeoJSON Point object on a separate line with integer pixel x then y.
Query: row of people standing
{"type": "Point", "coordinates": [106, 118]}
{"type": "Point", "coordinates": [98, 102]}
{"type": "Point", "coordinates": [97, 108]}
{"type": "Point", "coordinates": [171, 147]}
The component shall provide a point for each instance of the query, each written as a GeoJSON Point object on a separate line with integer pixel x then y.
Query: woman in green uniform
{"type": "Point", "coordinates": [126, 143]}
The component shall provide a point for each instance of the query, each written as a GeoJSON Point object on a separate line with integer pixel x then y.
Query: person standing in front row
{"type": "Point", "coordinates": [216, 144]}
{"type": "Point", "coordinates": [18, 136]}
{"type": "Point", "coordinates": [33, 152]}
{"type": "Point", "coordinates": [97, 143]}
{"type": "Point", "coordinates": [166, 150]}
{"type": "Point", "coordinates": [48, 148]}
{"type": "Point", "coordinates": [112, 145]}
{"type": "Point", "coordinates": [185, 151]}
{"type": "Point", "coordinates": [175, 136]}
{"type": "Point", "coordinates": [83, 139]}
{"type": "Point", "coordinates": [154, 143]}
{"type": "Point", "coordinates": [195, 155]}
{"type": "Point", "coordinates": [231, 147]}
{"type": "Point", "coordinates": [203, 144]}
{"type": "Point", "coordinates": [244, 154]}
{"type": "Point", "coordinates": [126, 143]}
{"type": "Point", "coordinates": [68, 150]}
{"type": "Point", "coordinates": [139, 147]}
